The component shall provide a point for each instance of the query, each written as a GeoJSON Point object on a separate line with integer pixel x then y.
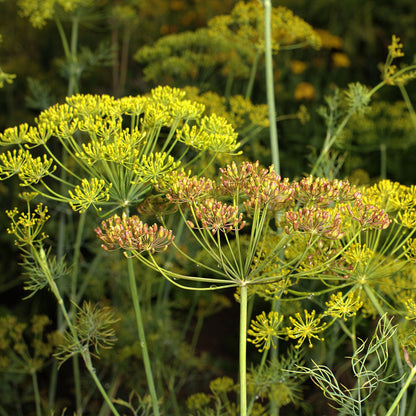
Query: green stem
{"type": "Point", "coordinates": [228, 86]}
{"type": "Point", "coordinates": [73, 86]}
{"type": "Point", "coordinates": [253, 73]}
{"type": "Point", "coordinates": [36, 393]}
{"type": "Point", "coordinates": [243, 350]}
{"type": "Point", "coordinates": [74, 281]}
{"type": "Point", "coordinates": [41, 259]}
{"type": "Point", "coordinates": [93, 374]}
{"type": "Point", "coordinates": [77, 254]}
{"type": "Point", "coordinates": [142, 337]}
{"type": "Point", "coordinates": [258, 372]}
{"type": "Point", "coordinates": [402, 392]}
{"type": "Point", "coordinates": [396, 348]}
{"type": "Point", "coordinates": [383, 161]}
{"type": "Point", "coordinates": [274, 141]}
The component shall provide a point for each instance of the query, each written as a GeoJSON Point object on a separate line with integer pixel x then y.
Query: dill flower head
{"type": "Point", "coordinates": [217, 216]}
{"type": "Point", "coordinates": [322, 192]}
{"type": "Point", "coordinates": [222, 385]}
{"type": "Point", "coordinates": [316, 221]}
{"type": "Point", "coordinates": [263, 330]}
{"type": "Point", "coordinates": [305, 328]}
{"type": "Point", "coordinates": [110, 146]}
{"type": "Point", "coordinates": [383, 194]}
{"type": "Point", "coordinates": [182, 189]}
{"type": "Point", "coordinates": [368, 216]}
{"type": "Point", "coordinates": [304, 91]}
{"type": "Point", "coordinates": [268, 190]}
{"type": "Point", "coordinates": [131, 234]}
{"type": "Point", "coordinates": [340, 306]}
{"type": "Point", "coordinates": [89, 193]}
{"type": "Point", "coordinates": [39, 12]}
{"type": "Point", "coordinates": [235, 179]}
{"type": "Point", "coordinates": [212, 133]}
{"type": "Point", "coordinates": [245, 24]}
{"type": "Point", "coordinates": [27, 227]}
{"type": "Point", "coordinates": [230, 43]}
{"type": "Point", "coordinates": [410, 306]}
{"type": "Point", "coordinates": [410, 250]}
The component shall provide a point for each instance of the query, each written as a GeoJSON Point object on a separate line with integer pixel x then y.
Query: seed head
{"type": "Point", "coordinates": [131, 234]}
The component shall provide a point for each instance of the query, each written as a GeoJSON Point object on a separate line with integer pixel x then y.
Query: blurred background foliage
{"type": "Point", "coordinates": [354, 34]}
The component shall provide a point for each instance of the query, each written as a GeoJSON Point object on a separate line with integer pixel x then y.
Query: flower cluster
{"type": "Point", "coordinates": [268, 190]}
{"type": "Point", "coordinates": [131, 234]}
{"type": "Point", "coordinates": [315, 221]}
{"type": "Point", "coordinates": [305, 328]}
{"type": "Point", "coordinates": [340, 306]}
{"type": "Point", "coordinates": [322, 192]}
{"type": "Point", "coordinates": [27, 227]}
{"type": "Point", "coordinates": [217, 216]}
{"type": "Point", "coordinates": [235, 179]}
{"type": "Point", "coordinates": [369, 216]}
{"type": "Point", "coordinates": [264, 330]}
{"type": "Point", "coordinates": [183, 189]}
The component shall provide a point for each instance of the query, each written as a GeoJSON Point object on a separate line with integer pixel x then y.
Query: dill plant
{"type": "Point", "coordinates": [284, 241]}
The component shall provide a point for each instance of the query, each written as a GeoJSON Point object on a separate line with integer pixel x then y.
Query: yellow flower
{"type": "Point", "coordinates": [264, 330]}
{"type": "Point", "coordinates": [396, 47]}
{"type": "Point", "coordinates": [343, 307]}
{"type": "Point", "coordinates": [307, 327]}
{"type": "Point", "coordinates": [410, 250]}
{"type": "Point", "coordinates": [407, 218]}
{"type": "Point", "coordinates": [410, 308]}
{"type": "Point", "coordinates": [89, 193]}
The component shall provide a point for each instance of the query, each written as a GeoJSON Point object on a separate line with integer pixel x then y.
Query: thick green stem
{"type": "Point", "coordinates": [243, 350]}
{"type": "Point", "coordinates": [142, 337]}
{"type": "Point", "coordinates": [402, 392]}
{"type": "Point", "coordinates": [274, 142]}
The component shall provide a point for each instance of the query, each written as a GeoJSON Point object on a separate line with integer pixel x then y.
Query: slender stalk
{"type": "Point", "coordinates": [36, 393]}
{"type": "Point", "coordinates": [253, 73]}
{"type": "Point", "coordinates": [41, 259]}
{"type": "Point", "coordinates": [74, 281]}
{"type": "Point", "coordinates": [383, 161]}
{"type": "Point", "coordinates": [258, 372]}
{"type": "Point", "coordinates": [243, 350]}
{"type": "Point", "coordinates": [274, 142]}
{"type": "Point", "coordinates": [142, 337]}
{"type": "Point", "coordinates": [73, 86]}
{"type": "Point", "coordinates": [396, 348]}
